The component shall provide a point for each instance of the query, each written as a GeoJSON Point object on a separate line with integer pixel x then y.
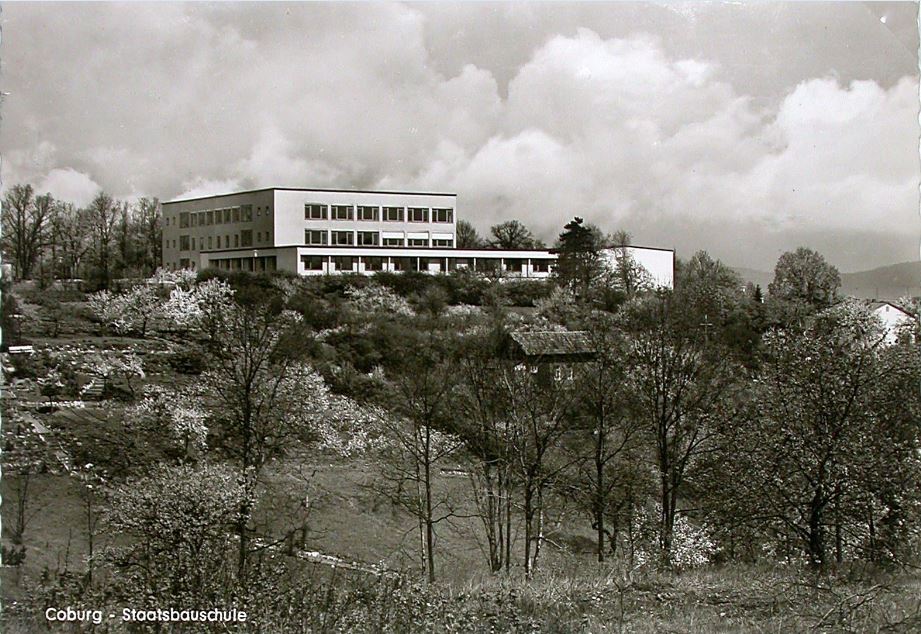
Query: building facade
{"type": "Point", "coordinates": [322, 231]}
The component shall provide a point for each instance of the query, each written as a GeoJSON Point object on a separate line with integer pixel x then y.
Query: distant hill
{"type": "Point", "coordinates": [761, 278]}
{"type": "Point", "coordinates": [885, 282]}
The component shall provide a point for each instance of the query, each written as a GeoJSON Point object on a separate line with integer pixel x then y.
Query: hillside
{"type": "Point", "coordinates": [884, 282]}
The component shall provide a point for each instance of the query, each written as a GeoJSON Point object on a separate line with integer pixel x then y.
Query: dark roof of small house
{"type": "Point", "coordinates": [553, 343]}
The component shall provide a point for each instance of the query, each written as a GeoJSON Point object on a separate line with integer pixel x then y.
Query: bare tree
{"type": "Point", "coordinates": [607, 469]}
{"type": "Point", "coordinates": [417, 400]}
{"type": "Point", "coordinates": [150, 233]}
{"type": "Point", "coordinates": [541, 406]}
{"type": "Point", "coordinates": [679, 387]}
{"type": "Point", "coordinates": [102, 216]}
{"type": "Point", "coordinates": [485, 429]}
{"type": "Point", "coordinates": [70, 239]}
{"type": "Point", "coordinates": [513, 234]}
{"type": "Point", "coordinates": [467, 236]}
{"type": "Point", "coordinates": [25, 223]}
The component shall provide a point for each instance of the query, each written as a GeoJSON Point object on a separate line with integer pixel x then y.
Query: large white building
{"type": "Point", "coordinates": [324, 231]}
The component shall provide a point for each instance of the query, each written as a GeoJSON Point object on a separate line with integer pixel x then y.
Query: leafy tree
{"type": "Point", "coordinates": [254, 389]}
{"type": "Point", "coordinates": [513, 234]}
{"type": "Point", "coordinates": [580, 264]}
{"type": "Point", "coordinates": [830, 439]}
{"type": "Point", "coordinates": [178, 523]}
{"type": "Point", "coordinates": [715, 305]}
{"type": "Point", "coordinates": [25, 223]}
{"type": "Point", "coordinates": [467, 236]}
{"type": "Point", "coordinates": [127, 312]}
{"type": "Point", "coordinates": [629, 276]}
{"type": "Point", "coordinates": [804, 277]}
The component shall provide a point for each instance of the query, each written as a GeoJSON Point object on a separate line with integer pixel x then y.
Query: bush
{"type": "Point", "coordinates": [188, 361]}
{"type": "Point", "coordinates": [406, 283]}
{"type": "Point", "coordinates": [527, 292]}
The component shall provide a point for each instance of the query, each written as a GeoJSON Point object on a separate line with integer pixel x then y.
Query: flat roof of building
{"type": "Point", "coordinates": [310, 189]}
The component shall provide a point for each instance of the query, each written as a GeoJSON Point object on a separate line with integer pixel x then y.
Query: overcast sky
{"type": "Point", "coordinates": [743, 130]}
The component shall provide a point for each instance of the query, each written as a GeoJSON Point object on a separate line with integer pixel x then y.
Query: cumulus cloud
{"type": "Point", "coordinates": [623, 129]}
{"type": "Point", "coordinates": [70, 185]}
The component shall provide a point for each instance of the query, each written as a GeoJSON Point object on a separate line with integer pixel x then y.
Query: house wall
{"type": "Point", "coordinates": [290, 223]}
{"type": "Point", "coordinates": [261, 226]}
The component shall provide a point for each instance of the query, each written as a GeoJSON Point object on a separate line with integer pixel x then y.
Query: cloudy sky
{"type": "Point", "coordinates": [746, 130]}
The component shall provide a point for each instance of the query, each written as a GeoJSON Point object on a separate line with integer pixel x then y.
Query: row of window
{"type": "Point", "coordinates": [243, 213]}
{"type": "Point", "coordinates": [318, 211]}
{"type": "Point", "coordinates": [376, 263]}
{"type": "Point", "coordinates": [240, 240]}
{"type": "Point", "coordinates": [320, 237]}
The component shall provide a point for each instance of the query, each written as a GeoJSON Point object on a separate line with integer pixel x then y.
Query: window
{"type": "Point", "coordinates": [443, 243]}
{"type": "Point", "coordinates": [236, 214]}
{"type": "Point", "coordinates": [312, 262]}
{"type": "Point", "coordinates": [342, 237]}
{"type": "Point", "coordinates": [442, 215]}
{"type": "Point", "coordinates": [226, 242]}
{"type": "Point", "coordinates": [258, 211]}
{"type": "Point", "coordinates": [226, 216]}
{"type": "Point", "coordinates": [341, 212]}
{"type": "Point", "coordinates": [183, 243]}
{"type": "Point", "coordinates": [514, 265]}
{"type": "Point", "coordinates": [404, 264]}
{"type": "Point", "coordinates": [236, 240]}
{"type": "Point", "coordinates": [368, 238]}
{"type": "Point", "coordinates": [489, 265]}
{"type": "Point", "coordinates": [393, 214]}
{"type": "Point", "coordinates": [344, 263]}
{"type": "Point", "coordinates": [367, 213]}
{"type": "Point", "coordinates": [194, 219]}
{"type": "Point", "coordinates": [246, 212]}
{"type": "Point", "coordinates": [417, 242]}
{"type": "Point", "coordinates": [393, 242]}
{"type": "Point", "coordinates": [418, 214]}
{"type": "Point", "coordinates": [540, 266]}
{"type": "Point", "coordinates": [374, 264]}
{"type": "Point", "coordinates": [183, 263]}
{"type": "Point", "coordinates": [209, 219]}
{"type": "Point", "coordinates": [193, 243]}
{"type": "Point", "coordinates": [246, 238]}
{"type": "Point", "coordinates": [184, 220]}
{"type": "Point", "coordinates": [315, 237]}
{"type": "Point", "coordinates": [209, 242]}
{"type": "Point", "coordinates": [313, 211]}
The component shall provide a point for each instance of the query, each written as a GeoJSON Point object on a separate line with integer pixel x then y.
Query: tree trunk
{"type": "Point", "coordinates": [528, 525]}
{"type": "Point", "coordinates": [429, 524]}
{"type": "Point", "coordinates": [816, 532]}
{"type": "Point", "coordinates": [667, 522]}
{"type": "Point", "coordinates": [599, 494]}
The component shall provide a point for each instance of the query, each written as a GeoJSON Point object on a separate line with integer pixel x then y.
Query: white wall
{"type": "Point", "coordinates": [659, 263]}
{"type": "Point", "coordinates": [290, 223]}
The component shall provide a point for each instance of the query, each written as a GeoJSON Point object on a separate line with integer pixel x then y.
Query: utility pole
{"type": "Point", "coordinates": [706, 325]}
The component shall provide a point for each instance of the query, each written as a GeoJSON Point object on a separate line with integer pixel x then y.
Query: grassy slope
{"type": "Point", "coordinates": [348, 520]}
